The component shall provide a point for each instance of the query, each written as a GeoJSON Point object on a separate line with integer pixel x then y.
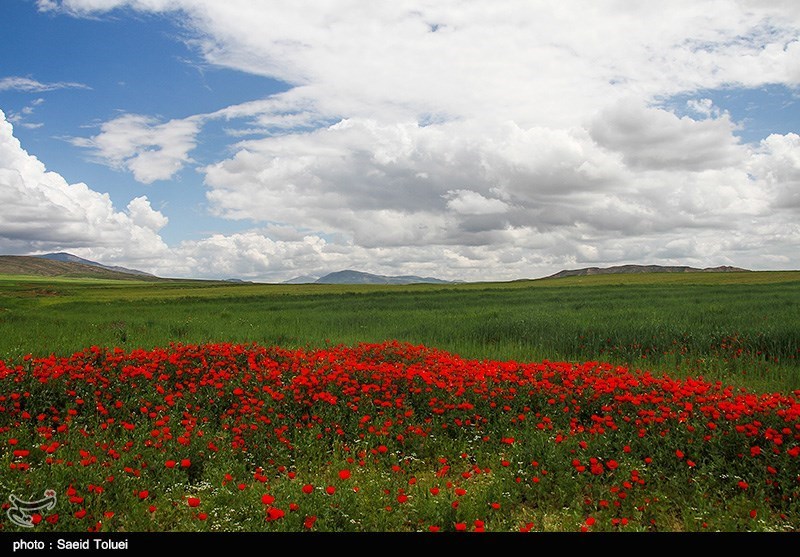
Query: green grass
{"type": "Point", "coordinates": [727, 325]}
{"type": "Point", "coordinates": [738, 328]}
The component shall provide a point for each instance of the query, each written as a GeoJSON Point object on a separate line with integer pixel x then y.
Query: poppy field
{"type": "Point", "coordinates": [389, 437]}
{"type": "Point", "coordinates": [393, 435]}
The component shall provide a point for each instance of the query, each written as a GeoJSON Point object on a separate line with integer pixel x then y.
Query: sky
{"type": "Point", "coordinates": [477, 140]}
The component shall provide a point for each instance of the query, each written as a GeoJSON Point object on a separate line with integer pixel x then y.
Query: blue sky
{"type": "Point", "coordinates": [128, 63]}
{"type": "Point", "coordinates": [761, 111]}
{"type": "Point", "coordinates": [465, 140]}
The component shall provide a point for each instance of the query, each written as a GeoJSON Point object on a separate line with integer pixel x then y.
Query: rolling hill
{"type": "Point", "coordinates": [69, 258]}
{"type": "Point", "coordinates": [638, 269]}
{"type": "Point", "coordinates": [38, 266]}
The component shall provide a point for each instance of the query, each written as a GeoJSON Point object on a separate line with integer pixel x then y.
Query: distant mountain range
{"type": "Point", "coordinates": [358, 277]}
{"type": "Point", "coordinates": [67, 265]}
{"type": "Point", "coordinates": [638, 269]}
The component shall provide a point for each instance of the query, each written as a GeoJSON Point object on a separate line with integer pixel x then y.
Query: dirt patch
{"type": "Point", "coordinates": [41, 292]}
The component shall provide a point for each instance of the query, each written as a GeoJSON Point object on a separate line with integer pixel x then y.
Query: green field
{"type": "Point", "coordinates": [743, 327]}
{"type": "Point", "coordinates": [308, 429]}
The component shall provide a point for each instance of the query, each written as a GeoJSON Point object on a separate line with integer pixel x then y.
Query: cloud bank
{"type": "Point", "coordinates": [477, 140]}
{"type": "Point", "coordinates": [40, 211]}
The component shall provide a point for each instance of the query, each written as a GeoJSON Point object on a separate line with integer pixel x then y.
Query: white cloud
{"type": "Point", "coordinates": [655, 138]}
{"type": "Point", "coordinates": [40, 211]}
{"type": "Point", "coordinates": [777, 162]}
{"type": "Point", "coordinates": [524, 191]}
{"type": "Point", "coordinates": [28, 85]}
{"type": "Point", "coordinates": [143, 215]}
{"type": "Point", "coordinates": [462, 58]}
{"type": "Point", "coordinates": [150, 150]}
{"type": "Point", "coordinates": [468, 202]}
{"type": "Point", "coordinates": [478, 139]}
{"type": "Point", "coordinates": [21, 118]}
{"type": "Point", "coordinates": [703, 107]}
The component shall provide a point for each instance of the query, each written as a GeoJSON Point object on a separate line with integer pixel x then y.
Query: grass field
{"type": "Point", "coordinates": [311, 407]}
{"type": "Point", "coordinates": [742, 325]}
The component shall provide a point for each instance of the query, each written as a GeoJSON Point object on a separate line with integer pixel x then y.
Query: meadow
{"type": "Point", "coordinates": [722, 325]}
{"type": "Point", "coordinates": [635, 402]}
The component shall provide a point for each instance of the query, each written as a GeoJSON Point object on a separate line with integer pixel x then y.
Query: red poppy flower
{"type": "Point", "coordinates": [267, 499]}
{"type": "Point", "coordinates": [461, 526]}
{"type": "Point", "coordinates": [344, 474]}
{"type": "Point", "coordinates": [308, 523]}
{"type": "Point", "coordinates": [193, 501]}
{"type": "Point", "coordinates": [275, 514]}
{"type": "Point", "coordinates": [185, 463]}
{"type": "Point", "coordinates": [308, 488]}
{"type": "Point", "coordinates": [330, 490]}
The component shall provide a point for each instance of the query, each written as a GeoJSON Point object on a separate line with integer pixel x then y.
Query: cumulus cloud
{"type": "Point", "coordinates": [461, 58]}
{"type": "Point", "coordinates": [479, 139]}
{"type": "Point", "coordinates": [40, 211]}
{"type": "Point", "coordinates": [703, 107]}
{"type": "Point", "coordinates": [654, 138]}
{"type": "Point", "coordinates": [149, 149]}
{"type": "Point", "coordinates": [467, 202]}
{"type": "Point", "coordinates": [777, 162]}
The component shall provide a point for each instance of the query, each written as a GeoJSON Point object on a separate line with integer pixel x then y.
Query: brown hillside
{"type": "Point", "coordinates": [36, 266]}
{"type": "Point", "coordinates": [638, 269]}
